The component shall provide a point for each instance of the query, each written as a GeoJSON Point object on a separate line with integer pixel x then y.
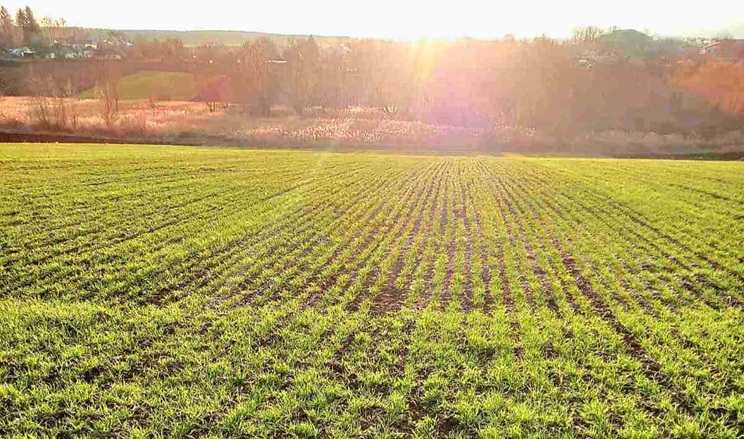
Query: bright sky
{"type": "Point", "coordinates": [407, 19]}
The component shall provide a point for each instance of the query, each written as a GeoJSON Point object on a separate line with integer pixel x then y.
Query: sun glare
{"type": "Point", "coordinates": [371, 219]}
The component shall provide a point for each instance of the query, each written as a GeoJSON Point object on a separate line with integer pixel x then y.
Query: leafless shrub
{"type": "Point", "coordinates": [51, 105]}
{"type": "Point", "coordinates": [134, 125]}
{"type": "Point", "coordinates": [107, 79]}
{"type": "Point", "coordinates": [109, 106]}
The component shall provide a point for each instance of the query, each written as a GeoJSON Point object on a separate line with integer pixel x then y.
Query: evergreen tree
{"type": "Point", "coordinates": [7, 37]}
{"type": "Point", "coordinates": [30, 28]}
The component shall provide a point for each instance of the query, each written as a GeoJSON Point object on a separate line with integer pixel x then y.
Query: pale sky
{"type": "Point", "coordinates": [408, 19]}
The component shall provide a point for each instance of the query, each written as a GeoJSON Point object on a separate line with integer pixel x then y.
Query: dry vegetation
{"type": "Point", "coordinates": [193, 122]}
{"type": "Point", "coordinates": [619, 92]}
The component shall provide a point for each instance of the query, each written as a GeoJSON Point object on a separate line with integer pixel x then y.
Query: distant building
{"type": "Point", "coordinates": [22, 52]}
{"type": "Point", "coordinates": [64, 51]}
{"type": "Point", "coordinates": [730, 50]}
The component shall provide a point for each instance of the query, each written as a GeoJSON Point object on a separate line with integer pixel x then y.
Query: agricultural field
{"type": "Point", "coordinates": [169, 86]}
{"type": "Point", "coordinates": [185, 292]}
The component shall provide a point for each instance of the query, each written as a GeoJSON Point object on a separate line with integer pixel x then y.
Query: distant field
{"type": "Point", "coordinates": [184, 292]}
{"type": "Point", "coordinates": [173, 86]}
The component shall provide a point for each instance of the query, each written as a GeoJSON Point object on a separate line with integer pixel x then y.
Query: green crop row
{"type": "Point", "coordinates": [186, 292]}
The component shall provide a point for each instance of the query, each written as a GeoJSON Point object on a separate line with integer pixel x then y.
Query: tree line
{"type": "Point", "coordinates": [24, 29]}
{"type": "Point", "coordinates": [599, 79]}
{"type": "Point", "coordinates": [539, 83]}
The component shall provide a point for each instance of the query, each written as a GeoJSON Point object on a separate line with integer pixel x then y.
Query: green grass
{"type": "Point", "coordinates": [184, 292]}
{"type": "Point", "coordinates": [173, 86]}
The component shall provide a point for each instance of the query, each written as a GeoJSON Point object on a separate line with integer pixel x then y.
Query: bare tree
{"type": "Point", "coordinates": [53, 29]}
{"type": "Point", "coordinates": [302, 74]}
{"type": "Point", "coordinates": [107, 79]}
{"type": "Point", "coordinates": [332, 89]}
{"type": "Point", "coordinates": [586, 35]}
{"type": "Point", "coordinates": [258, 75]}
{"type": "Point", "coordinates": [384, 75]}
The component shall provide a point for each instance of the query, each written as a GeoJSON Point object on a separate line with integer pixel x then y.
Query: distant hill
{"type": "Point", "coordinates": [630, 41]}
{"type": "Point", "coordinates": [200, 37]}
